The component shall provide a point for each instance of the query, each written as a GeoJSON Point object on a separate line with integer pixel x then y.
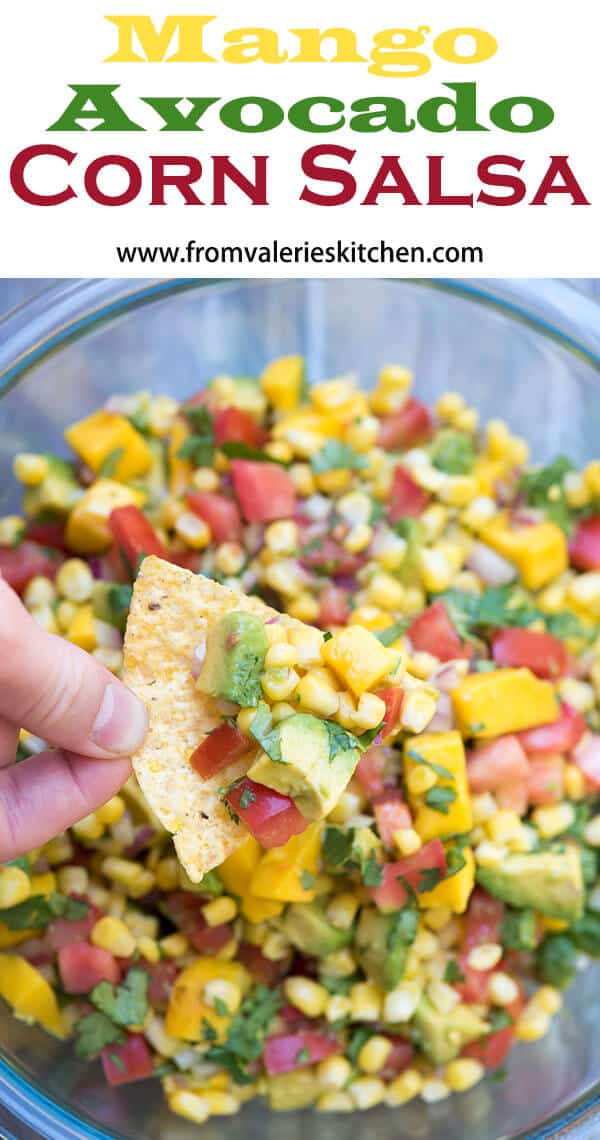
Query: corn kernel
{"type": "Point", "coordinates": [400, 1004]}
{"type": "Point", "coordinates": [112, 934]}
{"type": "Point", "coordinates": [230, 558]}
{"type": "Point", "coordinates": [355, 507]}
{"type": "Point", "coordinates": [578, 694]}
{"type": "Point", "coordinates": [285, 576]}
{"type": "Point", "coordinates": [442, 996]}
{"type": "Point", "coordinates": [342, 910]}
{"type": "Point", "coordinates": [112, 811]}
{"type": "Point", "coordinates": [205, 479]}
{"type": "Point", "coordinates": [374, 1054]}
{"type": "Point", "coordinates": [30, 469]}
{"type": "Point", "coordinates": [386, 592]}
{"type": "Point", "coordinates": [220, 910]}
{"type": "Point", "coordinates": [112, 659]}
{"type": "Point", "coordinates": [553, 820]}
{"type": "Point", "coordinates": [418, 708]}
{"type": "Point", "coordinates": [303, 607]}
{"type": "Point", "coordinates": [358, 538]}
{"type": "Point", "coordinates": [12, 528]}
{"type": "Point", "coordinates": [174, 945]}
{"type": "Point", "coordinates": [335, 1101]}
{"type": "Point", "coordinates": [280, 450]}
{"type": "Point", "coordinates": [148, 948]}
{"type": "Point", "coordinates": [369, 713]}
{"type": "Point", "coordinates": [591, 832]}
{"type": "Point", "coordinates": [366, 1001]}
{"type": "Point", "coordinates": [15, 886]}
{"type": "Point", "coordinates": [490, 854]}
{"type": "Point", "coordinates": [307, 996]}
{"type": "Point", "coordinates": [485, 956]}
{"type": "Point", "coordinates": [449, 405]}
{"type": "Point", "coordinates": [160, 1040]}
{"type": "Point", "coordinates": [90, 828]}
{"type": "Point", "coordinates": [532, 1024]}
{"type": "Point", "coordinates": [548, 999]}
{"type": "Point", "coordinates": [278, 684]}
{"type": "Point", "coordinates": [434, 1090]}
{"type": "Point", "coordinates": [195, 532]}
{"type": "Point", "coordinates": [189, 1105]}
{"type": "Point", "coordinates": [59, 849]}
{"type": "Point", "coordinates": [280, 710]}
{"type": "Point", "coordinates": [75, 581]}
{"type": "Point", "coordinates": [362, 433]}
{"type": "Point", "coordinates": [281, 537]}
{"type": "Point", "coordinates": [333, 482]}
{"type": "Point", "coordinates": [39, 591]}
{"type": "Point", "coordinates": [503, 826]}
{"type": "Point", "coordinates": [221, 990]}
{"type": "Point", "coordinates": [366, 1092]}
{"type": "Point", "coordinates": [275, 946]}
{"type": "Point", "coordinates": [44, 617]}
{"type": "Point", "coordinates": [502, 989]}
{"type": "Point", "coordinates": [340, 964]}
{"type": "Point", "coordinates": [389, 550]}
{"type": "Point", "coordinates": [463, 1073]}
{"type": "Point", "coordinates": [73, 880]}
{"type": "Point", "coordinates": [484, 807]}
{"type": "Point", "coordinates": [333, 1072]}
{"type": "Point", "coordinates": [407, 840]}
{"type": "Point", "coordinates": [338, 1006]}
{"type": "Point", "coordinates": [425, 944]}
{"type": "Point", "coordinates": [316, 696]}
{"type": "Point", "coordinates": [348, 805]}
{"type": "Point", "coordinates": [134, 879]}
{"type": "Point", "coordinates": [303, 479]}
{"type": "Point", "coordinates": [404, 1088]}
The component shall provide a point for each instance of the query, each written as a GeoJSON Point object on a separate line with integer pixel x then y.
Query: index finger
{"type": "Point", "coordinates": [61, 693]}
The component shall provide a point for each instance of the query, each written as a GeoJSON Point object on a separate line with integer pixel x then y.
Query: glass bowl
{"type": "Point", "coordinates": [528, 351]}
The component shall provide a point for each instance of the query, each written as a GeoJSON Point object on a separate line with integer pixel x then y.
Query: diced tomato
{"type": "Point", "coordinates": [370, 770]}
{"type": "Point", "coordinates": [391, 814]}
{"type": "Point", "coordinates": [82, 966]}
{"type": "Point", "coordinates": [134, 535]}
{"type": "Point", "coordinates": [393, 697]}
{"type": "Point", "coordinates": [261, 968]}
{"type": "Point", "coordinates": [47, 534]}
{"type": "Point", "coordinates": [38, 951]}
{"type": "Point", "coordinates": [399, 1059]}
{"type": "Point", "coordinates": [265, 491]}
{"type": "Point", "coordinates": [490, 766]}
{"type": "Point", "coordinates": [129, 1062]}
{"type": "Point", "coordinates": [286, 1052]}
{"type": "Point", "coordinates": [221, 514]}
{"type": "Point", "coordinates": [270, 817]}
{"type": "Point", "coordinates": [162, 979]}
{"type": "Point", "coordinates": [61, 933]}
{"type": "Point", "coordinates": [185, 910]}
{"type": "Point", "coordinates": [492, 1050]}
{"type": "Point", "coordinates": [587, 758]}
{"type": "Point", "coordinates": [407, 499]}
{"type": "Point", "coordinates": [400, 430]}
{"type": "Point", "coordinates": [334, 608]}
{"type": "Point", "coordinates": [584, 547]}
{"type": "Point", "coordinates": [560, 735]}
{"type": "Point", "coordinates": [392, 894]}
{"type": "Point", "coordinates": [512, 797]}
{"type": "Point", "coordinates": [433, 632]}
{"type": "Point", "coordinates": [484, 919]}
{"type": "Point", "coordinates": [546, 779]}
{"type": "Point", "coordinates": [219, 749]}
{"type": "Point", "coordinates": [328, 556]}
{"type": "Point", "coordinates": [544, 654]}
{"type": "Point", "coordinates": [19, 564]}
{"type": "Point", "coordinates": [210, 939]}
{"type": "Point", "coordinates": [232, 425]}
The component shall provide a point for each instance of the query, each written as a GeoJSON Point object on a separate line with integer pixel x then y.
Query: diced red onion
{"type": "Point", "coordinates": [526, 516]}
{"type": "Point", "coordinates": [227, 708]}
{"type": "Point", "coordinates": [491, 567]}
{"type": "Point", "coordinates": [198, 659]}
{"type": "Point", "coordinates": [443, 717]}
{"type": "Point", "coordinates": [446, 677]}
{"type": "Point", "coordinates": [143, 838]}
{"type": "Point", "coordinates": [99, 568]}
{"type": "Point", "coordinates": [317, 507]}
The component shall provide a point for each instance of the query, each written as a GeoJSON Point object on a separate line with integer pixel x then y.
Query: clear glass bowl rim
{"type": "Point", "coordinates": [66, 310]}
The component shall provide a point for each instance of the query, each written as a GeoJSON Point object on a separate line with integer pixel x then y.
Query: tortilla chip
{"type": "Point", "coordinates": [170, 614]}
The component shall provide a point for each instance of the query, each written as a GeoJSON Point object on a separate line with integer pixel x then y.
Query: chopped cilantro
{"type": "Point", "coordinates": [211, 884]}
{"type": "Point", "coordinates": [482, 665]}
{"type": "Point", "coordinates": [339, 740]}
{"type": "Point", "coordinates": [439, 799]}
{"type": "Point", "coordinates": [388, 636]}
{"type": "Point", "coordinates": [452, 973]}
{"type": "Point", "coordinates": [372, 871]}
{"type": "Point", "coordinates": [39, 911]}
{"type": "Point", "coordinates": [410, 890]}
{"type": "Point", "coordinates": [94, 1032]}
{"type": "Point", "coordinates": [245, 1036]}
{"type": "Point", "coordinates": [117, 1061]}
{"type": "Point", "coordinates": [544, 488]}
{"type": "Point", "coordinates": [22, 862]}
{"type": "Point", "coordinates": [500, 606]}
{"type": "Point", "coordinates": [455, 861]}
{"type": "Point", "coordinates": [234, 449]}
{"type": "Point", "coordinates": [337, 846]}
{"type": "Point", "coordinates": [454, 453]}
{"type": "Point", "coordinates": [261, 728]}
{"type": "Point", "coordinates": [429, 878]}
{"type": "Point", "coordinates": [498, 1074]}
{"type": "Point", "coordinates": [335, 985]}
{"type": "Point", "coordinates": [200, 446]}
{"type": "Point", "coordinates": [498, 1019]}
{"type": "Point", "coordinates": [221, 1007]}
{"type": "Point", "coordinates": [303, 1056]}
{"type": "Point", "coordinates": [477, 727]}
{"type": "Point", "coordinates": [307, 880]}
{"type": "Point", "coordinates": [366, 739]}
{"type": "Point", "coordinates": [327, 636]}
{"type": "Point", "coordinates": [110, 463]}
{"type": "Point", "coordinates": [566, 625]}
{"type": "Point", "coordinates": [247, 797]}
{"type": "Point", "coordinates": [127, 1004]}
{"type": "Point", "coordinates": [358, 1038]}
{"type": "Point", "coordinates": [118, 600]}
{"type": "Point", "coordinates": [439, 770]}
{"type": "Point", "coordinates": [403, 928]}
{"type": "Point", "coordinates": [334, 456]}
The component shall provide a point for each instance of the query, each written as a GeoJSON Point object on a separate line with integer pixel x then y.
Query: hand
{"type": "Point", "coordinates": [64, 695]}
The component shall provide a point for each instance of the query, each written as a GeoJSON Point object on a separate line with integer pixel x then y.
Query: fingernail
{"type": "Point", "coordinates": [121, 722]}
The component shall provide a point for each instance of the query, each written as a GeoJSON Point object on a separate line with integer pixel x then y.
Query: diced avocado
{"type": "Point", "coordinates": [555, 960]}
{"type": "Point", "coordinates": [549, 881]}
{"type": "Point", "coordinates": [383, 942]}
{"type": "Point", "coordinates": [310, 931]}
{"type": "Point", "coordinates": [518, 930]}
{"type": "Point", "coordinates": [442, 1036]}
{"type": "Point", "coordinates": [57, 493]}
{"type": "Point", "coordinates": [410, 531]}
{"type": "Point", "coordinates": [314, 767]}
{"type": "Point", "coordinates": [235, 656]}
{"type": "Point", "coordinates": [110, 602]}
{"type": "Point", "coordinates": [297, 1089]}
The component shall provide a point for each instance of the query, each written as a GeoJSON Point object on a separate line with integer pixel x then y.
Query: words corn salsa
{"type": "Point", "coordinates": [398, 948]}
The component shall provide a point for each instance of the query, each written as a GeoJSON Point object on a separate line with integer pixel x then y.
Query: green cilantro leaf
{"type": "Point", "coordinates": [118, 601]}
{"type": "Point", "coordinates": [126, 1004]}
{"type": "Point", "coordinates": [211, 884]}
{"type": "Point", "coordinates": [221, 1007]}
{"type": "Point", "coordinates": [247, 797]}
{"type": "Point", "coordinates": [246, 1033]}
{"type": "Point", "coordinates": [22, 862]}
{"type": "Point", "coordinates": [372, 871]}
{"type": "Point", "coordinates": [428, 879]}
{"type": "Point", "coordinates": [452, 973]}
{"type": "Point", "coordinates": [388, 636]}
{"type": "Point", "coordinates": [234, 449]}
{"type": "Point", "coordinates": [110, 463]}
{"type": "Point", "coordinates": [199, 447]}
{"type": "Point", "coordinates": [502, 606]}
{"type": "Point", "coordinates": [327, 636]}
{"type": "Point", "coordinates": [302, 1056]}
{"type": "Point", "coordinates": [337, 846]}
{"type": "Point", "coordinates": [439, 769]}
{"type": "Point", "coordinates": [544, 488]}
{"type": "Point", "coordinates": [358, 1038]}
{"type": "Point", "coordinates": [455, 861]}
{"type": "Point", "coordinates": [498, 1019]}
{"type": "Point", "coordinates": [334, 456]}
{"type": "Point", "coordinates": [454, 453]}
{"type": "Point", "coordinates": [403, 928]}
{"type": "Point", "coordinates": [439, 799]}
{"type": "Point", "coordinates": [307, 880]}
{"type": "Point", "coordinates": [39, 911]}
{"type": "Point", "coordinates": [339, 740]}
{"type": "Point", "coordinates": [94, 1032]}
{"type": "Point", "coordinates": [261, 728]}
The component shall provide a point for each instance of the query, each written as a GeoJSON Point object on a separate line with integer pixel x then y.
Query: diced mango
{"type": "Point", "coordinates": [357, 657]}
{"type": "Point", "coordinates": [454, 892]}
{"type": "Point", "coordinates": [236, 873]}
{"type": "Point", "coordinates": [340, 397]}
{"type": "Point", "coordinates": [82, 630]}
{"type": "Point", "coordinates": [105, 434]}
{"type": "Point", "coordinates": [488, 472]}
{"type": "Point", "coordinates": [539, 552]}
{"type": "Point", "coordinates": [180, 470]}
{"type": "Point", "coordinates": [445, 749]}
{"type": "Point", "coordinates": [10, 937]}
{"type": "Point", "coordinates": [29, 994]}
{"type": "Point", "coordinates": [507, 700]}
{"type": "Point", "coordinates": [279, 872]}
{"type": "Point", "coordinates": [188, 1009]}
{"type": "Point", "coordinates": [328, 426]}
{"type": "Point", "coordinates": [282, 382]}
{"type": "Point", "coordinates": [87, 526]}
{"type": "Point", "coordinates": [44, 884]}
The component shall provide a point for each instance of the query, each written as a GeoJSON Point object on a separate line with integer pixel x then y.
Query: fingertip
{"type": "Point", "coordinates": [121, 721]}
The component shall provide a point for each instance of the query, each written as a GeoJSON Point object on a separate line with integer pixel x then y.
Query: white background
{"type": "Point", "coordinates": [547, 49]}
